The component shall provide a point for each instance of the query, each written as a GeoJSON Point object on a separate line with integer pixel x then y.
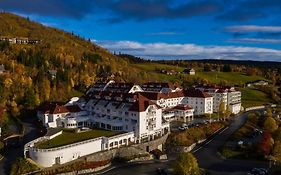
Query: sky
{"type": "Point", "coordinates": [167, 29]}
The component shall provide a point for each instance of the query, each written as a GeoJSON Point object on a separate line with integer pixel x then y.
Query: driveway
{"type": "Point", "coordinates": [207, 156]}
{"type": "Point", "coordinates": [12, 153]}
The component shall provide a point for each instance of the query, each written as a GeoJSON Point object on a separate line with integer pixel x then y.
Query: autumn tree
{"type": "Point", "coordinates": [270, 124]}
{"type": "Point", "coordinates": [186, 164]}
{"type": "Point", "coordinates": [227, 112]}
{"type": "Point", "coordinates": [276, 152]}
{"type": "Point", "coordinates": [222, 109]}
{"type": "Point", "coordinates": [266, 144]}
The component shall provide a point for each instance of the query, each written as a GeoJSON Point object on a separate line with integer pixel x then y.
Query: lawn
{"type": "Point", "coordinates": [154, 66]}
{"type": "Point", "coordinates": [233, 78]}
{"type": "Point", "coordinates": [254, 97]}
{"type": "Point", "coordinates": [69, 137]}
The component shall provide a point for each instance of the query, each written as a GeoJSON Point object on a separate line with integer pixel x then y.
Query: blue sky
{"type": "Point", "coordinates": [167, 29]}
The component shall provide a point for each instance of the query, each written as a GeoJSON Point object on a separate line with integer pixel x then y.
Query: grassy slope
{"type": "Point", "coordinates": [254, 97]}
{"type": "Point", "coordinates": [68, 137]}
{"type": "Point", "coordinates": [233, 77]}
{"type": "Point", "coordinates": [213, 77]}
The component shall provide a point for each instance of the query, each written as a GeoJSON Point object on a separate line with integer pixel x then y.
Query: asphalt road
{"type": "Point", "coordinates": [207, 156]}
{"type": "Point", "coordinates": [12, 153]}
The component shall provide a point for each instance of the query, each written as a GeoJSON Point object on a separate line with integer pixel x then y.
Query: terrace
{"type": "Point", "coordinates": [69, 136]}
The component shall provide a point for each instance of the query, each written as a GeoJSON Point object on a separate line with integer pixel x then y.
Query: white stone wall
{"type": "Point", "coordinates": [64, 154]}
{"type": "Point", "coordinates": [48, 157]}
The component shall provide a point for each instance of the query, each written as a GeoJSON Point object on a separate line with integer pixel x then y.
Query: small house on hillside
{"type": "Point", "coordinates": [258, 83]}
{"type": "Point", "coordinates": [189, 71]}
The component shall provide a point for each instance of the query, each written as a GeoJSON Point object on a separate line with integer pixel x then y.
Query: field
{"type": "Point", "coordinates": [69, 136]}
{"type": "Point", "coordinates": [233, 78]}
{"type": "Point", "coordinates": [236, 78]}
{"type": "Point", "coordinates": [254, 97]}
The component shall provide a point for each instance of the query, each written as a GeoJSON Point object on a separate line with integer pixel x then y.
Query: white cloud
{"type": "Point", "coordinates": [255, 40]}
{"type": "Point", "coordinates": [190, 51]}
{"type": "Point", "coordinates": [252, 28]}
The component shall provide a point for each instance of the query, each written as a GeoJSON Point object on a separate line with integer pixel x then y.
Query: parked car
{"type": "Point", "coordinates": [257, 171]}
{"type": "Point", "coordinates": [183, 127]}
{"type": "Point", "coordinates": [161, 171]}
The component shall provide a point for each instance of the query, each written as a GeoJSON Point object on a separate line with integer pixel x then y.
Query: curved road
{"type": "Point", "coordinates": [12, 153]}
{"type": "Point", "coordinates": [207, 156]}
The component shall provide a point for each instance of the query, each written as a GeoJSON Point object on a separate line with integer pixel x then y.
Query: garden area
{"type": "Point", "coordinates": [193, 135]}
{"type": "Point", "coordinates": [259, 138]}
{"type": "Point", "coordinates": [69, 136]}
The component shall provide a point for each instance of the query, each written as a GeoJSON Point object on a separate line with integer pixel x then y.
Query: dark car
{"type": "Point", "coordinates": [161, 171]}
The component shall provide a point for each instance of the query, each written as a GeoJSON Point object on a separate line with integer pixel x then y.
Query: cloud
{"type": "Point", "coordinates": [252, 28]}
{"type": "Point", "coordinates": [190, 51]}
{"type": "Point", "coordinates": [256, 41]}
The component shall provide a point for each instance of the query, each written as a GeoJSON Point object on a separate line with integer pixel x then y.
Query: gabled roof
{"type": "Point", "coordinates": [183, 107]}
{"type": "Point", "coordinates": [158, 95]}
{"type": "Point", "coordinates": [55, 108]}
{"type": "Point", "coordinates": [153, 86]}
{"type": "Point", "coordinates": [191, 92]}
{"type": "Point", "coordinates": [142, 104]}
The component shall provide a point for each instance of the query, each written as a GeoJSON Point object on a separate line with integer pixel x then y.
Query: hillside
{"type": "Point", "coordinates": [63, 65]}
{"type": "Point", "coordinates": [60, 66]}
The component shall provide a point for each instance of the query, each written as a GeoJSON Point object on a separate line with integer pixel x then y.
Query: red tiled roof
{"type": "Point", "coordinates": [53, 108]}
{"type": "Point", "coordinates": [196, 93]}
{"type": "Point", "coordinates": [158, 95]}
{"type": "Point", "coordinates": [155, 85]}
{"type": "Point", "coordinates": [141, 104]}
{"type": "Point", "coordinates": [183, 107]}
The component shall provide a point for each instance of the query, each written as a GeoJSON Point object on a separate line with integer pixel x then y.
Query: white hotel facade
{"type": "Point", "coordinates": [142, 112]}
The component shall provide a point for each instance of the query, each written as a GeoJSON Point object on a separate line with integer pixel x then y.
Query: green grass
{"type": "Point", "coordinates": [235, 78]}
{"type": "Point", "coordinates": [229, 153]}
{"type": "Point", "coordinates": [254, 97]}
{"type": "Point", "coordinates": [232, 78]}
{"type": "Point", "coordinates": [157, 66]}
{"type": "Point", "coordinates": [69, 137]}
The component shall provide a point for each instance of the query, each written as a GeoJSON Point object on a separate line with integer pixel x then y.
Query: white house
{"type": "Point", "coordinates": [201, 102]}
{"type": "Point", "coordinates": [165, 100]}
{"type": "Point", "coordinates": [189, 71]}
{"type": "Point", "coordinates": [228, 95]}
{"type": "Point", "coordinates": [52, 115]}
{"type": "Point", "coordinates": [127, 112]}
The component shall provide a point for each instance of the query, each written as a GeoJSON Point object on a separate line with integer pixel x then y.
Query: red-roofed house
{"type": "Point", "coordinates": [202, 102]}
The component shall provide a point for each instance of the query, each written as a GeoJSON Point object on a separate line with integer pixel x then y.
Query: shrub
{"type": "Point", "coordinates": [266, 144]}
{"type": "Point", "coordinates": [186, 164]}
{"type": "Point", "coordinates": [23, 166]}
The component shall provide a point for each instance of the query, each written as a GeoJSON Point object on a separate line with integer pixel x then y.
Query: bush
{"type": "Point", "coordinates": [157, 153]}
{"type": "Point", "coordinates": [266, 144]}
{"type": "Point", "coordinates": [186, 164]}
{"type": "Point", "coordinates": [193, 135]}
{"type": "Point", "coordinates": [22, 166]}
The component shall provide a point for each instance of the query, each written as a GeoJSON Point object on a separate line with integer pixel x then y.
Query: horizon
{"type": "Point", "coordinates": [167, 29]}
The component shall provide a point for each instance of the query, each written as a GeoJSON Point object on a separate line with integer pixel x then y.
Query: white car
{"type": "Point", "coordinates": [183, 127]}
